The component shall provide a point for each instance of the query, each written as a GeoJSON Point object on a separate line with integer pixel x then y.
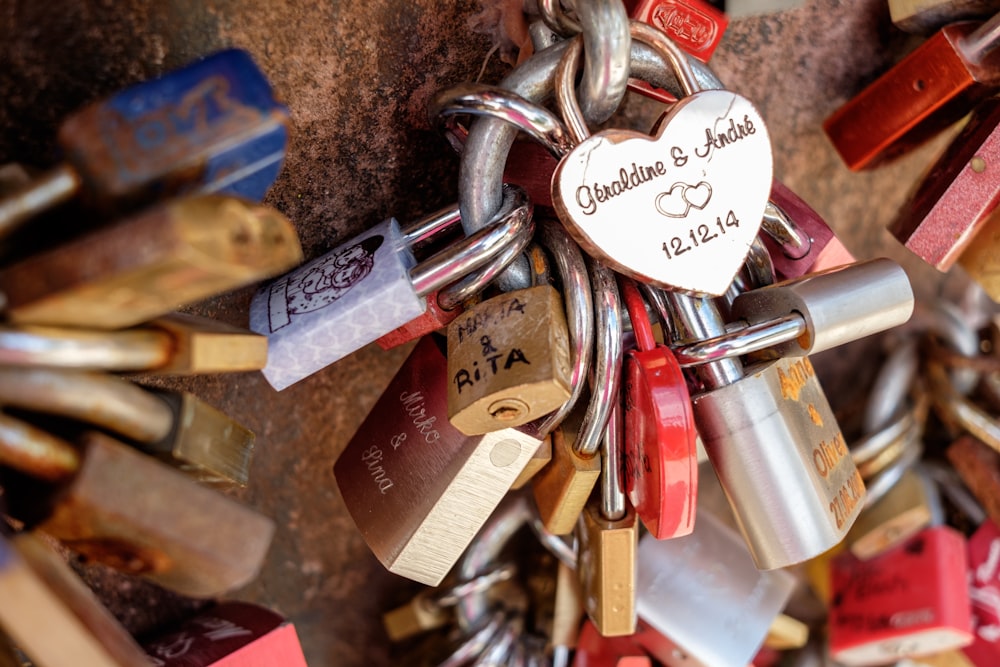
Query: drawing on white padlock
{"type": "Point", "coordinates": [321, 283]}
{"type": "Point", "coordinates": [678, 209]}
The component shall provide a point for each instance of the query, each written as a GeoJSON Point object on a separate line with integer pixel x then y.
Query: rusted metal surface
{"type": "Point", "coordinates": [357, 78]}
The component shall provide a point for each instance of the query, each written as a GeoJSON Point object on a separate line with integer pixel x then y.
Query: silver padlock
{"type": "Point", "coordinates": [775, 445]}
{"type": "Point", "coordinates": [702, 596]}
{"type": "Point", "coordinates": [349, 297]}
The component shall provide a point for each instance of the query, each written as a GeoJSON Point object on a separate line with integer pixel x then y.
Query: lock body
{"type": "Point", "coordinates": [922, 17]}
{"type": "Point", "coordinates": [707, 575]}
{"type": "Point", "coordinates": [150, 264]}
{"type": "Point", "coordinates": [336, 304]}
{"type": "Point", "coordinates": [912, 600]}
{"type": "Point", "coordinates": [562, 487]}
{"type": "Point", "coordinates": [508, 361]}
{"type": "Point", "coordinates": [52, 615]}
{"type": "Point", "coordinates": [979, 467]}
{"type": "Point", "coordinates": [928, 90]}
{"type": "Point", "coordinates": [122, 509]}
{"type": "Point", "coordinates": [980, 258]}
{"type": "Point", "coordinates": [431, 320]}
{"type": "Point", "coordinates": [984, 592]}
{"type": "Point", "coordinates": [417, 488]}
{"type": "Point", "coordinates": [215, 119]}
{"type": "Point", "coordinates": [782, 460]}
{"type": "Point", "coordinates": [204, 345]}
{"type": "Point", "coordinates": [607, 570]}
{"type": "Point", "coordinates": [228, 634]}
{"type": "Point", "coordinates": [906, 509]}
{"type": "Point", "coordinates": [661, 460]}
{"type": "Point", "coordinates": [958, 195]}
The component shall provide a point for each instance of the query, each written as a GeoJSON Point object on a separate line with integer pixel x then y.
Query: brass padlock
{"type": "Point", "coordinates": [52, 615]}
{"type": "Point", "coordinates": [122, 509]}
{"type": "Point", "coordinates": [609, 539]}
{"type": "Point", "coordinates": [150, 264]}
{"type": "Point", "coordinates": [177, 427]}
{"type": "Point", "coordinates": [508, 361]}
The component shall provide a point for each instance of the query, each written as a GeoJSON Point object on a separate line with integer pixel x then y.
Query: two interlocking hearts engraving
{"type": "Point", "coordinates": [679, 209]}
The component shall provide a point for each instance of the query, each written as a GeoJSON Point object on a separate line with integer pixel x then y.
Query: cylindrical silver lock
{"type": "Point", "coordinates": [838, 306]}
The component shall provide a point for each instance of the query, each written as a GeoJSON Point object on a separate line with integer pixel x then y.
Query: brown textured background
{"type": "Point", "coordinates": [357, 76]}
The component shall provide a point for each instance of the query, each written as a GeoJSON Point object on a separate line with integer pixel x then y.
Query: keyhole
{"type": "Point", "coordinates": [919, 85]}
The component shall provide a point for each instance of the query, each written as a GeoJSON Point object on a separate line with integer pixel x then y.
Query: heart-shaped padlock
{"type": "Point", "coordinates": [678, 209]}
{"type": "Point", "coordinates": [661, 458]}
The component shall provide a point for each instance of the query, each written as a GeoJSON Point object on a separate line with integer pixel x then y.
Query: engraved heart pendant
{"type": "Point", "coordinates": [679, 209]}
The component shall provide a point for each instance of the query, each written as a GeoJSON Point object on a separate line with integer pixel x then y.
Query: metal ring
{"type": "Point", "coordinates": [741, 341]}
{"type": "Point", "coordinates": [450, 597]}
{"type": "Point", "coordinates": [874, 443]}
{"type": "Point", "coordinates": [891, 386]}
{"type": "Point", "coordinates": [33, 451]}
{"type": "Point", "coordinates": [489, 140]}
{"type": "Point", "coordinates": [451, 296]}
{"type": "Point", "coordinates": [607, 360]}
{"type": "Point", "coordinates": [556, 545]}
{"type": "Point", "coordinates": [513, 513]}
{"type": "Point", "coordinates": [794, 243]}
{"type": "Point", "coordinates": [479, 637]}
{"type": "Point", "coordinates": [557, 19]}
{"type": "Point", "coordinates": [607, 40]}
{"type": "Point", "coordinates": [879, 486]}
{"type": "Point", "coordinates": [479, 99]}
{"type": "Point", "coordinates": [579, 305]}
{"type": "Point", "coordinates": [513, 219]}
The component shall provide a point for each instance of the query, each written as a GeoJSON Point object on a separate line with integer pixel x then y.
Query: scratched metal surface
{"type": "Point", "coordinates": [357, 77]}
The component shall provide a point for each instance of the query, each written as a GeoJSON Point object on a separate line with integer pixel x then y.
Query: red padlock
{"type": "Point", "coordinates": [909, 601]}
{"type": "Point", "coordinates": [695, 26]}
{"type": "Point", "coordinates": [661, 458]}
{"type": "Point", "coordinates": [984, 591]}
{"type": "Point", "coordinates": [820, 249]}
{"type": "Point", "coordinates": [230, 634]}
{"type": "Point", "coordinates": [958, 195]}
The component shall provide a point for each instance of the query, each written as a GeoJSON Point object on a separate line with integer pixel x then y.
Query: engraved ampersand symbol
{"type": "Point", "coordinates": [679, 209]}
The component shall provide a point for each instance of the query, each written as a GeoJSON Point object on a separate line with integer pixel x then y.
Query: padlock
{"type": "Point", "coordinates": [203, 345]}
{"type": "Point", "coordinates": [608, 538]}
{"type": "Point", "coordinates": [911, 600]}
{"type": "Point", "coordinates": [925, 92]}
{"type": "Point", "coordinates": [776, 446]}
{"type": "Point", "coordinates": [660, 450]}
{"type": "Point", "coordinates": [923, 17]}
{"type": "Point", "coordinates": [142, 267]}
{"type": "Point", "coordinates": [703, 202]}
{"type": "Point", "coordinates": [213, 126]}
{"type": "Point", "coordinates": [696, 26]}
{"type": "Point", "coordinates": [489, 139]}
{"type": "Point", "coordinates": [958, 195]}
{"type": "Point", "coordinates": [417, 488]}
{"type": "Point", "coordinates": [815, 248]}
{"type": "Point", "coordinates": [706, 575]}
{"type": "Point", "coordinates": [176, 426]}
{"type": "Point", "coordinates": [52, 615]}
{"type": "Point", "coordinates": [508, 361]}
{"type": "Point", "coordinates": [121, 509]}
{"type": "Point", "coordinates": [349, 297]}
{"type": "Point", "coordinates": [831, 305]}
{"type": "Point", "coordinates": [561, 489]}
{"type": "Point", "coordinates": [567, 616]}
{"type": "Point", "coordinates": [227, 634]}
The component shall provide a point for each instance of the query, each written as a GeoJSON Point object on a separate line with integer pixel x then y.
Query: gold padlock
{"type": "Point", "coordinates": [508, 361]}
{"type": "Point", "coordinates": [145, 266]}
{"type": "Point", "coordinates": [52, 615]}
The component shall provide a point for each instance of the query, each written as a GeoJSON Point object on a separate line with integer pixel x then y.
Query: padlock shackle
{"type": "Point", "coordinates": [607, 360]}
{"type": "Point", "coordinates": [741, 340]}
{"type": "Point", "coordinates": [430, 225]}
{"type": "Point", "coordinates": [613, 501]}
{"type": "Point", "coordinates": [512, 222]}
{"type": "Point", "coordinates": [879, 486]}
{"type": "Point", "coordinates": [695, 319]}
{"type": "Point", "coordinates": [96, 398]}
{"type": "Point", "coordinates": [130, 350]}
{"type": "Point", "coordinates": [479, 99]}
{"type": "Point", "coordinates": [794, 242]}
{"type": "Point", "coordinates": [642, 328]}
{"type": "Point", "coordinates": [454, 294]}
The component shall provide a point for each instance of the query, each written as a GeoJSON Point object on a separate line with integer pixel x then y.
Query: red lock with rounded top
{"type": "Point", "coordinates": [661, 461]}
